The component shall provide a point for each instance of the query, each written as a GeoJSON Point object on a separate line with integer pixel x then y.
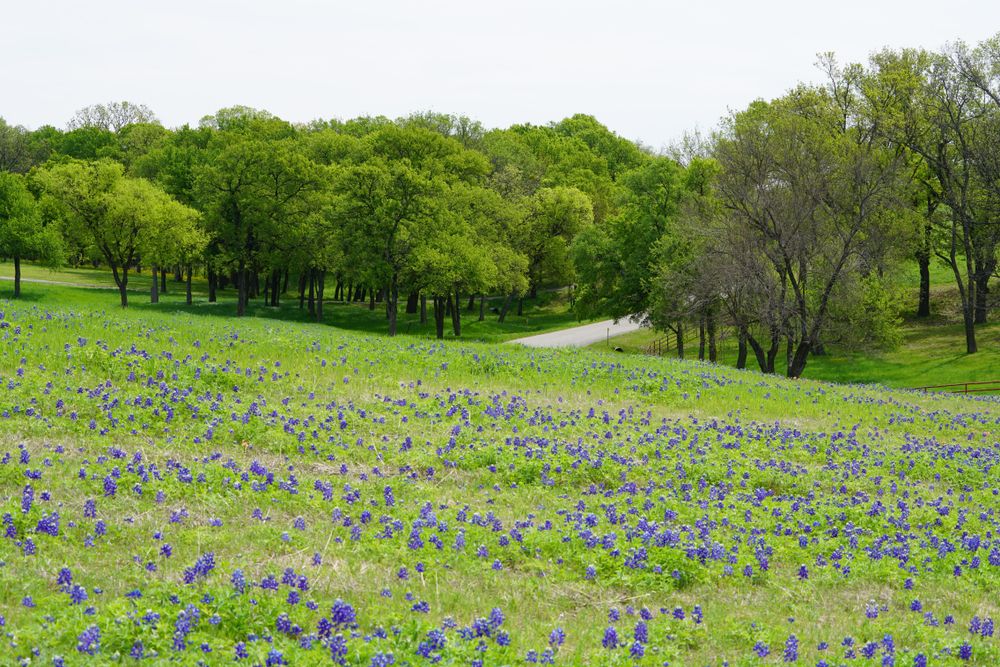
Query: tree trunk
{"type": "Point", "coordinates": [187, 288]}
{"type": "Point", "coordinates": [242, 278]}
{"type": "Point", "coordinates": [741, 354]}
{"type": "Point", "coordinates": [710, 327]}
{"type": "Point", "coordinates": [178, 273]}
{"type": "Point", "coordinates": [350, 291]}
{"type": "Point", "coordinates": [213, 280]}
{"type": "Point", "coordinates": [982, 291]}
{"type": "Point", "coordinates": [302, 290]}
{"type": "Point", "coordinates": [122, 281]}
{"type": "Point", "coordinates": [312, 293]}
{"type": "Point", "coordinates": [17, 276]}
{"type": "Point", "coordinates": [966, 283]}
{"type": "Point", "coordinates": [969, 320]}
{"type": "Point", "coordinates": [472, 303]}
{"type": "Point", "coordinates": [320, 287]}
{"type": "Point", "coordinates": [392, 304]}
{"type": "Point", "coordinates": [789, 348]}
{"type": "Point", "coordinates": [456, 315]}
{"type": "Point", "coordinates": [798, 361]}
{"type": "Point", "coordinates": [701, 338]}
{"type": "Point", "coordinates": [371, 298]}
{"type": "Point", "coordinates": [423, 309]}
{"type": "Point", "coordinates": [154, 295]}
{"type": "Point", "coordinates": [482, 307]}
{"type": "Point", "coordinates": [439, 316]}
{"type": "Point", "coordinates": [772, 353]}
{"type": "Point", "coordinates": [504, 308]}
{"type": "Point", "coordinates": [163, 281]}
{"type": "Point", "coordinates": [411, 302]}
{"type": "Point", "coordinates": [758, 351]}
{"type": "Point", "coordinates": [520, 306]}
{"type": "Point", "coordinates": [924, 302]}
{"type": "Point", "coordinates": [679, 337]}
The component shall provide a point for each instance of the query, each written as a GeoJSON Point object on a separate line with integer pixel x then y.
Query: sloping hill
{"type": "Point", "coordinates": [190, 489]}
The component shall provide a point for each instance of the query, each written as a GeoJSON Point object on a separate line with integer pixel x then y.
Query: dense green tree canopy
{"type": "Point", "coordinates": [22, 232]}
{"type": "Point", "coordinates": [123, 218]}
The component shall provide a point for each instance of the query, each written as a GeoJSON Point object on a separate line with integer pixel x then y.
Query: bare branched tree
{"type": "Point", "coordinates": [113, 116]}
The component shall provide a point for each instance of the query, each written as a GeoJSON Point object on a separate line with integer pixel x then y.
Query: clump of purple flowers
{"type": "Point", "coordinates": [201, 568]}
{"type": "Point", "coordinates": [89, 641]}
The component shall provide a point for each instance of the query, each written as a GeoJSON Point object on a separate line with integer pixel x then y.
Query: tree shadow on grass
{"type": "Point", "coordinates": [26, 296]}
{"type": "Point", "coordinates": [358, 318]}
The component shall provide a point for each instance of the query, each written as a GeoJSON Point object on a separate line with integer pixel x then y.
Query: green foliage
{"type": "Point", "coordinates": [617, 261]}
{"type": "Point", "coordinates": [15, 148]}
{"type": "Point", "coordinates": [554, 217]}
{"type": "Point", "coordinates": [620, 155]}
{"type": "Point", "coordinates": [121, 217]}
{"type": "Point", "coordinates": [22, 232]}
{"type": "Point", "coordinates": [870, 317]}
{"type": "Point", "coordinates": [87, 143]}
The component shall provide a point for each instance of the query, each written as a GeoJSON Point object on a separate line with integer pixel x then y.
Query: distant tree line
{"type": "Point", "coordinates": [788, 226]}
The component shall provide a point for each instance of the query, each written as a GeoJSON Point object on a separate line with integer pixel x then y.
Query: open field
{"type": "Point", "coordinates": [198, 489]}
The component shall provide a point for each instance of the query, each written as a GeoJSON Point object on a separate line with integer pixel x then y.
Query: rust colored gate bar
{"type": "Point", "coordinates": [966, 387]}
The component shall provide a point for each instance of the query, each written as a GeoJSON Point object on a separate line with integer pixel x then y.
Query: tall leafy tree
{"type": "Point", "coordinates": [620, 155]}
{"type": "Point", "coordinates": [941, 116]}
{"type": "Point", "coordinates": [255, 181]}
{"type": "Point", "coordinates": [617, 261]}
{"type": "Point", "coordinates": [391, 204]}
{"type": "Point", "coordinates": [553, 218]}
{"type": "Point", "coordinates": [15, 148]}
{"type": "Point", "coordinates": [119, 216]}
{"type": "Point", "coordinates": [396, 199]}
{"type": "Point", "coordinates": [811, 196]}
{"type": "Point", "coordinates": [22, 234]}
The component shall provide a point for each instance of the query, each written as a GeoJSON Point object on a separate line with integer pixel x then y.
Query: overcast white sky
{"type": "Point", "coordinates": [649, 70]}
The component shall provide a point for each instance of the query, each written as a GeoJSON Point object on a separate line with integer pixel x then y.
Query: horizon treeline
{"type": "Point", "coordinates": [791, 225]}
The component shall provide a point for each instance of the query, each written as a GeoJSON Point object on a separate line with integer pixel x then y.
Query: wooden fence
{"type": "Point", "coordinates": [966, 387]}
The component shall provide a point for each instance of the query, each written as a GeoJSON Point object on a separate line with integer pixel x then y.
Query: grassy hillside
{"type": "Point", "coordinates": [199, 490]}
{"type": "Point", "coordinates": [932, 353]}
